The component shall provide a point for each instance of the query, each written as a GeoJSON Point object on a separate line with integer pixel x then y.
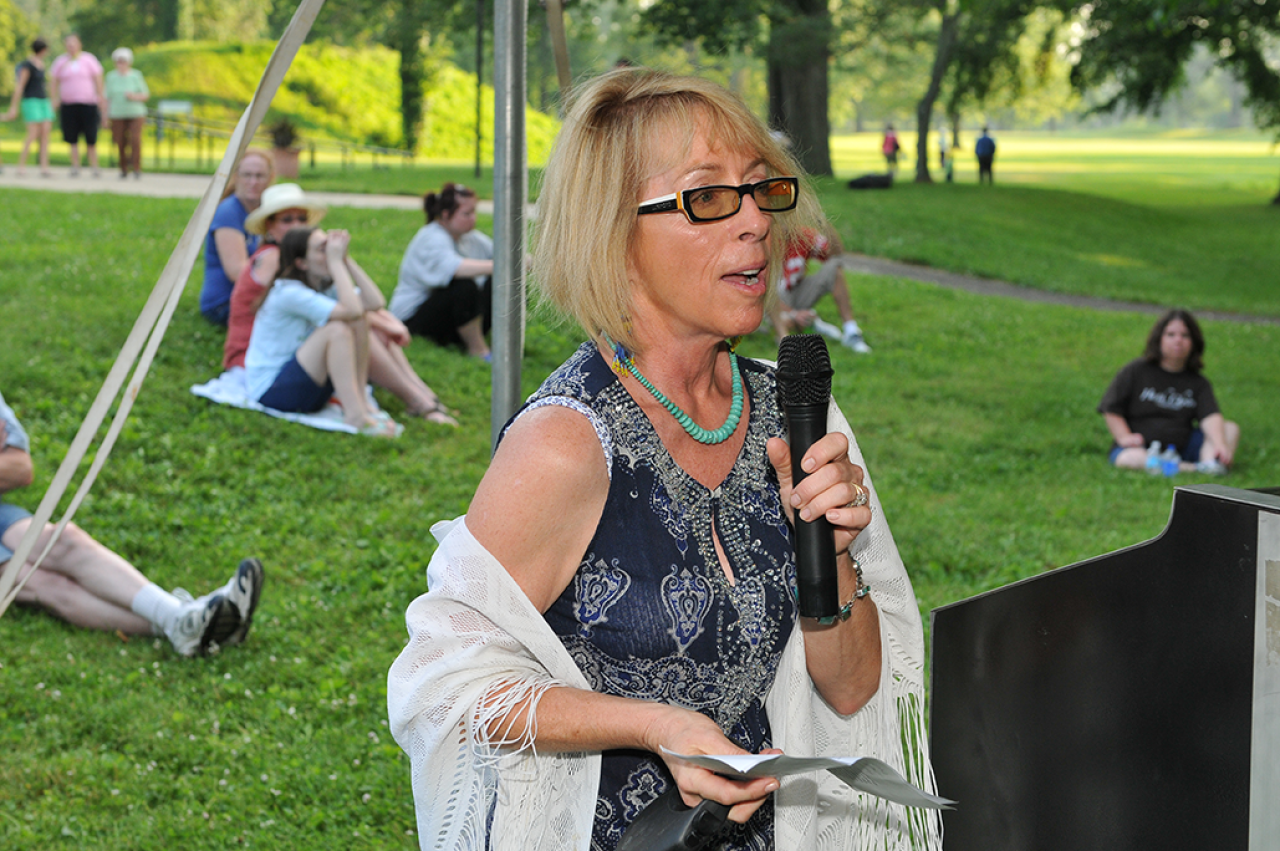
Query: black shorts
{"type": "Point", "coordinates": [79, 119]}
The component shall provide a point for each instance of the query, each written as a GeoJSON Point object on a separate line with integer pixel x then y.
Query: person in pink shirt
{"type": "Point", "coordinates": [77, 93]}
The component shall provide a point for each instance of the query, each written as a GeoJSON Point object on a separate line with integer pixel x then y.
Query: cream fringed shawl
{"type": "Point", "coordinates": [475, 633]}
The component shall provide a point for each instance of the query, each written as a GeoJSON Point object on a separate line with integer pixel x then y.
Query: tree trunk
{"type": "Point", "coordinates": [798, 90]}
{"type": "Point", "coordinates": [924, 110]}
{"type": "Point", "coordinates": [408, 39]}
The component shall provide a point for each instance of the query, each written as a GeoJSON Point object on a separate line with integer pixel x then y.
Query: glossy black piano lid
{"type": "Point", "coordinates": [1106, 705]}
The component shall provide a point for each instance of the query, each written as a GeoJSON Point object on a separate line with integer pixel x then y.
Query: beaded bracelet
{"type": "Point", "coordinates": [846, 611]}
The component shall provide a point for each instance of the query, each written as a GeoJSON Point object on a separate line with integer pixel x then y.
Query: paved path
{"type": "Point", "coordinates": [989, 286]}
{"type": "Point", "coordinates": [161, 185]}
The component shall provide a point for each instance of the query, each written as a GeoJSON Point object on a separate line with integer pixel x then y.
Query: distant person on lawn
{"type": "Point", "coordinates": [890, 148]}
{"type": "Point", "coordinates": [88, 585]}
{"type": "Point", "coordinates": [1162, 397]}
{"type": "Point", "coordinates": [78, 98]}
{"type": "Point", "coordinates": [985, 150]}
{"type": "Point", "coordinates": [31, 95]}
{"type": "Point", "coordinates": [443, 291]}
{"type": "Point", "coordinates": [127, 95]}
{"type": "Point", "coordinates": [284, 207]}
{"type": "Point", "coordinates": [799, 292]}
{"type": "Point", "coordinates": [228, 245]}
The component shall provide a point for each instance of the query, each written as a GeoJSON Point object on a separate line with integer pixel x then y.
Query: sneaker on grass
{"type": "Point", "coordinates": [243, 592]}
{"type": "Point", "coordinates": [854, 341]}
{"type": "Point", "coordinates": [204, 625]}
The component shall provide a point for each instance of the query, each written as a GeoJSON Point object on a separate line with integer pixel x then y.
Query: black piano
{"type": "Point", "coordinates": [1131, 701]}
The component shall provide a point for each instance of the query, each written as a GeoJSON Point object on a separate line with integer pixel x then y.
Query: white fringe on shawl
{"type": "Point", "coordinates": [474, 633]}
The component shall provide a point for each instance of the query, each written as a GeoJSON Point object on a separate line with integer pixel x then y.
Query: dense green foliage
{"type": "Point", "coordinates": [976, 415]}
{"type": "Point", "coordinates": [1140, 47]}
{"type": "Point", "coordinates": [331, 92]}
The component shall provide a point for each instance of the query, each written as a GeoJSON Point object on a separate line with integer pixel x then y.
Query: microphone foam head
{"type": "Point", "coordinates": [804, 370]}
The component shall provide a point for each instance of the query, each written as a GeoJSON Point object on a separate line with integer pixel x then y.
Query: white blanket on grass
{"type": "Point", "coordinates": [231, 388]}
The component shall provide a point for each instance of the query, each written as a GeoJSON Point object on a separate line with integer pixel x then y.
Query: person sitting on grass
{"type": "Point", "coordinates": [310, 338]}
{"type": "Point", "coordinates": [798, 292]}
{"type": "Point", "coordinates": [1162, 397]}
{"type": "Point", "coordinates": [443, 290]}
{"type": "Point", "coordinates": [286, 206]}
{"type": "Point", "coordinates": [88, 585]}
{"type": "Point", "coordinates": [227, 245]}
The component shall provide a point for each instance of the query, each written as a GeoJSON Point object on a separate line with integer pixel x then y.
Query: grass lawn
{"type": "Point", "coordinates": [976, 415]}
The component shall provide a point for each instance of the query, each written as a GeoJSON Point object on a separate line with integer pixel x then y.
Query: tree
{"type": "Point", "coordinates": [16, 33]}
{"type": "Point", "coordinates": [796, 37]}
{"type": "Point", "coordinates": [1142, 46]}
{"type": "Point", "coordinates": [976, 42]}
{"type": "Point", "coordinates": [107, 24]}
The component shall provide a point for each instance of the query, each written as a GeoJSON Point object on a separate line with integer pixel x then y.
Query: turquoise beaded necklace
{"type": "Point", "coordinates": [622, 359]}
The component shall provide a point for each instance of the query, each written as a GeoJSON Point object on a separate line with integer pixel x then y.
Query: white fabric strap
{"type": "Point", "coordinates": [154, 319]}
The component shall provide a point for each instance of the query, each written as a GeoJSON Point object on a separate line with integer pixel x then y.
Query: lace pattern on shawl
{"type": "Point", "coordinates": [475, 628]}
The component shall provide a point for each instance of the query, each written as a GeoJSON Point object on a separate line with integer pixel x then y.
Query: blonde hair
{"type": "Point", "coordinates": [249, 152]}
{"type": "Point", "coordinates": [620, 130]}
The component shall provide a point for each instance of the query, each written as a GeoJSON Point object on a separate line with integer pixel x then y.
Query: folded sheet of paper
{"type": "Point", "coordinates": [864, 773]}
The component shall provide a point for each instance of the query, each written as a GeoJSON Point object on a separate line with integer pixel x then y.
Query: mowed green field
{"type": "Point", "coordinates": [1173, 167]}
{"type": "Point", "coordinates": [975, 414]}
{"type": "Point", "coordinates": [1163, 219]}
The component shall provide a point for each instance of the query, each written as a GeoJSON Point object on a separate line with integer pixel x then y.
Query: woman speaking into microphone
{"type": "Point", "coordinates": [622, 587]}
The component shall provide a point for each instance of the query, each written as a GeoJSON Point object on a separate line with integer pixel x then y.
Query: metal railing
{"type": "Point", "coordinates": [205, 134]}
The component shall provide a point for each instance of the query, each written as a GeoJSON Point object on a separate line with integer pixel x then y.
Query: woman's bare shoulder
{"type": "Point", "coordinates": [539, 503]}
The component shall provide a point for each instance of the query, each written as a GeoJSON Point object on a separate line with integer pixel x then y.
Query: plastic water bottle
{"type": "Point", "coordinates": [1153, 458]}
{"type": "Point", "coordinates": [1170, 460]}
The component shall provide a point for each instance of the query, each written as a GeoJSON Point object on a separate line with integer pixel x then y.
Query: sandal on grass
{"type": "Point", "coordinates": [434, 413]}
{"type": "Point", "coordinates": [382, 426]}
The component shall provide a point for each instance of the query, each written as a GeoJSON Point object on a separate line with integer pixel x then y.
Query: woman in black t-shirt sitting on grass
{"type": "Point", "coordinates": [1162, 396]}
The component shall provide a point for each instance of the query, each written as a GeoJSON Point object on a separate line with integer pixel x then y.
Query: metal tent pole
{"type": "Point", "coordinates": [510, 179]}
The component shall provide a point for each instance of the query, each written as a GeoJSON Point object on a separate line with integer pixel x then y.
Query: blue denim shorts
{"type": "Point", "coordinates": [1190, 453]}
{"type": "Point", "coordinates": [9, 514]}
{"type": "Point", "coordinates": [294, 391]}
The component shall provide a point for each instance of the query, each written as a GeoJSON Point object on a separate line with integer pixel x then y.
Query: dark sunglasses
{"type": "Point", "coordinates": [713, 203]}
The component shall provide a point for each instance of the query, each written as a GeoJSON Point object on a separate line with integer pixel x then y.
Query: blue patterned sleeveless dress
{"type": "Point", "coordinates": [650, 613]}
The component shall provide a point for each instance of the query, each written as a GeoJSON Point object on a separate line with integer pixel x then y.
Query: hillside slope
{"type": "Point", "coordinates": [331, 92]}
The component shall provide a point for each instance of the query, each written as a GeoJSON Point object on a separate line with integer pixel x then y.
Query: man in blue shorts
{"type": "Point", "coordinates": [88, 585]}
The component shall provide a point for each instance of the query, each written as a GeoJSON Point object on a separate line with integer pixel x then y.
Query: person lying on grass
{"type": "Point", "coordinates": [284, 207]}
{"type": "Point", "coordinates": [88, 585]}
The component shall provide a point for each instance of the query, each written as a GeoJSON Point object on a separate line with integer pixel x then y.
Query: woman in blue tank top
{"type": "Point", "coordinates": [642, 500]}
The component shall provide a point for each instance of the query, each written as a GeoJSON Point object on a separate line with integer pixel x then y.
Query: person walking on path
{"type": "Point", "coordinates": [985, 150]}
{"type": "Point", "coordinates": [127, 94]}
{"type": "Point", "coordinates": [78, 97]}
{"type": "Point", "coordinates": [31, 95]}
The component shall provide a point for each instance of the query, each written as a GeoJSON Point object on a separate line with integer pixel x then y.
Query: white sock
{"type": "Point", "coordinates": [851, 327]}
{"type": "Point", "coordinates": [156, 605]}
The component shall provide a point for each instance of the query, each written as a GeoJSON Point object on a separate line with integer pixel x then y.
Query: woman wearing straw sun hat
{"type": "Point", "coordinates": [284, 207]}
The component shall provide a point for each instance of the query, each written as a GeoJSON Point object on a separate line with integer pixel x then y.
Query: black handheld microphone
{"type": "Point", "coordinates": [804, 389]}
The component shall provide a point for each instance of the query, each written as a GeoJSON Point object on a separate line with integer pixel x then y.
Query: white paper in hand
{"type": "Point", "coordinates": [865, 774]}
